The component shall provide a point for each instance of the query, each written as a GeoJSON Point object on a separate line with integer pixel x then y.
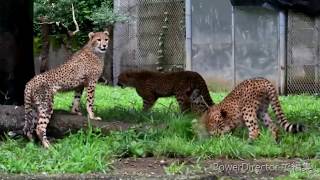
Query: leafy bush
{"type": "Point", "coordinates": [93, 15]}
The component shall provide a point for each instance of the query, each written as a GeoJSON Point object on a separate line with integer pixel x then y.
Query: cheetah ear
{"type": "Point", "coordinates": [223, 113]}
{"type": "Point", "coordinates": [106, 32]}
{"type": "Point", "coordinates": [91, 34]}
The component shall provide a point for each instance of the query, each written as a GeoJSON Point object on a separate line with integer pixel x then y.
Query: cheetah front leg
{"type": "Point", "coordinates": [76, 101]}
{"type": "Point", "coordinates": [183, 101]}
{"type": "Point", "coordinates": [148, 98]}
{"type": "Point", "coordinates": [90, 100]}
{"type": "Point", "coordinates": [148, 102]}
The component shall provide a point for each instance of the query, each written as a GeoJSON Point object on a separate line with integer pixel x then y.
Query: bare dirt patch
{"type": "Point", "coordinates": [154, 168]}
{"type": "Point", "coordinates": [238, 169]}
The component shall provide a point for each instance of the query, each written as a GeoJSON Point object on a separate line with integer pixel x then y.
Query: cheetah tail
{"type": "Point", "coordinates": [27, 99]}
{"type": "Point", "coordinates": [276, 107]}
{"type": "Point", "coordinates": [28, 108]}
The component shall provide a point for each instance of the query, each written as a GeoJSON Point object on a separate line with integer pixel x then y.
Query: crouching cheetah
{"type": "Point", "coordinates": [152, 85]}
{"type": "Point", "coordinates": [245, 104]}
{"type": "Point", "coordinates": [82, 70]}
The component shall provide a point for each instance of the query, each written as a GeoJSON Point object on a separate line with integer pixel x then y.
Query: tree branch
{"type": "Point", "coordinates": [74, 21]}
{"type": "Point", "coordinates": [57, 23]}
{"type": "Point", "coordinates": [44, 56]}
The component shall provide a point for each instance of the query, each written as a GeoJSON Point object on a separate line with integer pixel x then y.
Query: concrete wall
{"type": "Point", "coordinates": [212, 42]}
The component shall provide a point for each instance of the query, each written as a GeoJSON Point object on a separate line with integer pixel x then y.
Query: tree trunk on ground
{"type": "Point", "coordinates": [61, 123]}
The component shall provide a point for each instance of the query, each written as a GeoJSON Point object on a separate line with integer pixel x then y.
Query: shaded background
{"type": "Point", "coordinates": [16, 49]}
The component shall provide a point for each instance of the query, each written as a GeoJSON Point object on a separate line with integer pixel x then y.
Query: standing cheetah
{"type": "Point", "coordinates": [245, 104]}
{"type": "Point", "coordinates": [82, 70]}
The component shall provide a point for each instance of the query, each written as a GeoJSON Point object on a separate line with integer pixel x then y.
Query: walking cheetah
{"type": "Point", "coordinates": [152, 85]}
{"type": "Point", "coordinates": [248, 101]}
{"type": "Point", "coordinates": [82, 70]}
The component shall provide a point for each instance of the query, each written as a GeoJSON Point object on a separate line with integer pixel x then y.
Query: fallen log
{"type": "Point", "coordinates": [62, 122]}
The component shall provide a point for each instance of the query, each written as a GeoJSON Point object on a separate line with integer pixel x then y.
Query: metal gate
{"type": "Point", "coordinates": [152, 38]}
{"type": "Point", "coordinates": [303, 75]}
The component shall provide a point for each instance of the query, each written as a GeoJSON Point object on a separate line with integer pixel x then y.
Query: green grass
{"type": "Point", "coordinates": [85, 152]}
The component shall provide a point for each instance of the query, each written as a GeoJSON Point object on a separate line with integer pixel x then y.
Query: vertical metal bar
{"type": "Point", "coordinates": [282, 52]}
{"type": "Point", "coordinates": [233, 47]}
{"type": "Point", "coordinates": [188, 40]}
{"type": "Point", "coordinates": [116, 59]}
{"type": "Point", "coordinates": [116, 5]}
{"type": "Point", "coordinates": [317, 38]}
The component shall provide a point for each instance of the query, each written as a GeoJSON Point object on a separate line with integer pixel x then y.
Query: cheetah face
{"type": "Point", "coordinates": [216, 121]}
{"type": "Point", "coordinates": [99, 41]}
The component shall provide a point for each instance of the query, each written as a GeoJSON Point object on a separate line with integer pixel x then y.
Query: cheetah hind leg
{"type": "Point", "coordinates": [30, 122]}
{"type": "Point", "coordinates": [45, 112]}
{"type": "Point", "coordinates": [267, 121]}
{"type": "Point", "coordinates": [76, 102]}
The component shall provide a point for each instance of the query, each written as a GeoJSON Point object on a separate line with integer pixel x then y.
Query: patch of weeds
{"type": "Point", "coordinates": [174, 146]}
{"type": "Point", "coordinates": [175, 168]}
{"type": "Point", "coordinates": [305, 170]}
{"type": "Point", "coordinates": [83, 152]}
{"type": "Point", "coordinates": [130, 144]}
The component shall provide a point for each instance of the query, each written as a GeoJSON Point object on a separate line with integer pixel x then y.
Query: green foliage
{"type": "Point", "coordinates": [175, 168]}
{"type": "Point", "coordinates": [104, 16]}
{"type": "Point", "coordinates": [82, 152]}
{"type": "Point", "coordinates": [93, 15]}
{"type": "Point", "coordinates": [98, 12]}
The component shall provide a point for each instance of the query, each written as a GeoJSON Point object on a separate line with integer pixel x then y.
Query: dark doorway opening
{"type": "Point", "coordinates": [16, 49]}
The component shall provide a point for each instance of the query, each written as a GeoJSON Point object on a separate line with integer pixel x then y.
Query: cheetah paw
{"type": "Point", "coordinates": [76, 113]}
{"type": "Point", "coordinates": [96, 118]}
{"type": "Point", "coordinates": [46, 144]}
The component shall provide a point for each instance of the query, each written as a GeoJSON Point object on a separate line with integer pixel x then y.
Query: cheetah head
{"type": "Point", "coordinates": [216, 121]}
{"type": "Point", "coordinates": [125, 79]}
{"type": "Point", "coordinates": [99, 41]}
